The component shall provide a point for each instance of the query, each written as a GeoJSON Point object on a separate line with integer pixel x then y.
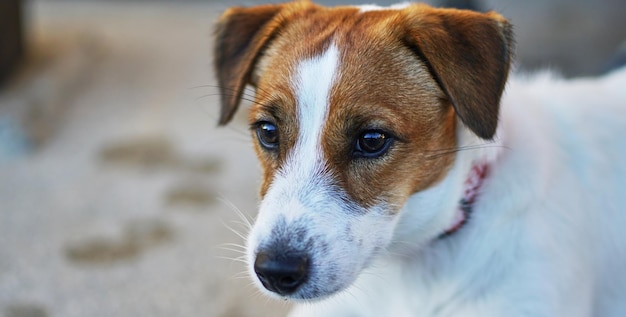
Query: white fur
{"type": "Point", "coordinates": [372, 7]}
{"type": "Point", "coordinates": [546, 237]}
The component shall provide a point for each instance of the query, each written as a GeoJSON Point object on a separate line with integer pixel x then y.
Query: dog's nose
{"type": "Point", "coordinates": [281, 274]}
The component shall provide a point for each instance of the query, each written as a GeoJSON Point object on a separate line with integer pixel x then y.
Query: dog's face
{"type": "Point", "coordinates": [350, 107]}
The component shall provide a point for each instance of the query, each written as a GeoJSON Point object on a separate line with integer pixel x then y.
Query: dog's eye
{"type": "Point", "coordinates": [267, 133]}
{"type": "Point", "coordinates": [372, 143]}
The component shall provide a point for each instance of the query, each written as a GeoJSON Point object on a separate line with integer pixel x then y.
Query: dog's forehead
{"type": "Point", "coordinates": [307, 33]}
{"type": "Point", "coordinates": [370, 58]}
{"type": "Point", "coordinates": [311, 33]}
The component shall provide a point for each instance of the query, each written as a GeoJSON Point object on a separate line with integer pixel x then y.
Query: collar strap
{"type": "Point", "coordinates": [471, 189]}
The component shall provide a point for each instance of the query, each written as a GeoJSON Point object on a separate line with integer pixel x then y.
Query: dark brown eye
{"type": "Point", "coordinates": [267, 133]}
{"type": "Point", "coordinates": [372, 143]}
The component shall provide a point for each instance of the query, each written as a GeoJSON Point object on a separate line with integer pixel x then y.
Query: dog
{"type": "Point", "coordinates": [404, 174]}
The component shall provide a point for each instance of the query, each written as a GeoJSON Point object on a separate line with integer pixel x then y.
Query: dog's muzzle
{"type": "Point", "coordinates": [281, 273]}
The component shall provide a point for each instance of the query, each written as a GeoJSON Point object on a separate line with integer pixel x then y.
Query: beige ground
{"type": "Point", "coordinates": [116, 204]}
{"type": "Point", "coordinates": [119, 211]}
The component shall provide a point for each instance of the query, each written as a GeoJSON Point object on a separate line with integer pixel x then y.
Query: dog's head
{"type": "Point", "coordinates": [350, 104]}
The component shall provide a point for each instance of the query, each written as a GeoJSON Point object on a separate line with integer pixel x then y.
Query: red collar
{"type": "Point", "coordinates": [472, 186]}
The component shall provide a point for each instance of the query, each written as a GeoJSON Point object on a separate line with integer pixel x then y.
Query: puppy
{"type": "Point", "coordinates": [399, 180]}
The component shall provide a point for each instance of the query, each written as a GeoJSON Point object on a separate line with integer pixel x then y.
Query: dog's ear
{"type": "Point", "coordinates": [468, 54]}
{"type": "Point", "coordinates": [241, 34]}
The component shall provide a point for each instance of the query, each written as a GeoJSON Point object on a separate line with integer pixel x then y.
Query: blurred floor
{"type": "Point", "coordinates": [115, 208]}
{"type": "Point", "coordinates": [112, 172]}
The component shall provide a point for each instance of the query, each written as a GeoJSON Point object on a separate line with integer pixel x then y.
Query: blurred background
{"type": "Point", "coordinates": [116, 187]}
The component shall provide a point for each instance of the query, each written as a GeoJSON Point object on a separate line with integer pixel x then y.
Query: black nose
{"type": "Point", "coordinates": [281, 274]}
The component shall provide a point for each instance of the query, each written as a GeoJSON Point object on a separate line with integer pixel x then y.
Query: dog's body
{"type": "Point", "coordinates": [547, 236]}
{"type": "Point", "coordinates": [371, 124]}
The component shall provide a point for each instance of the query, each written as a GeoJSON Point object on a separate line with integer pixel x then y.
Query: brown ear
{"type": "Point", "coordinates": [240, 36]}
{"type": "Point", "coordinates": [469, 55]}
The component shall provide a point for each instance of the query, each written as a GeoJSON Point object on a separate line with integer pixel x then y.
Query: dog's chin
{"type": "Point", "coordinates": [307, 294]}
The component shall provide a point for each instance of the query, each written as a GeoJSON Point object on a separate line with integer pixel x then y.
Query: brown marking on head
{"type": "Point", "coordinates": [408, 72]}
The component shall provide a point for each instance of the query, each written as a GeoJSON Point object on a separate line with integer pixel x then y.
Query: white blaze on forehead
{"type": "Point", "coordinates": [313, 81]}
{"type": "Point", "coordinates": [373, 7]}
{"type": "Point", "coordinates": [301, 183]}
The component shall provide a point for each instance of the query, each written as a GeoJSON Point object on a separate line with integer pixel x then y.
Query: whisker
{"type": "Point", "coordinates": [231, 259]}
{"type": "Point", "coordinates": [248, 92]}
{"type": "Point", "coordinates": [233, 245]}
{"type": "Point", "coordinates": [244, 219]}
{"type": "Point", "coordinates": [462, 147]}
{"type": "Point", "coordinates": [242, 223]}
{"type": "Point", "coordinates": [245, 98]}
{"type": "Point", "coordinates": [239, 234]}
{"type": "Point", "coordinates": [241, 275]}
{"type": "Point", "coordinates": [443, 152]}
{"type": "Point", "coordinates": [233, 250]}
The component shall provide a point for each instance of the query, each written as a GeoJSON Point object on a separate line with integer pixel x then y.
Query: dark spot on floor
{"type": "Point", "coordinates": [136, 238]}
{"type": "Point", "coordinates": [155, 151]}
{"type": "Point", "coordinates": [150, 151]}
{"type": "Point", "coordinates": [202, 166]}
{"type": "Point", "coordinates": [25, 310]}
{"type": "Point", "coordinates": [190, 194]}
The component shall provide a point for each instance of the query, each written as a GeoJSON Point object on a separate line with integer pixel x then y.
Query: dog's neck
{"type": "Point", "coordinates": [442, 209]}
{"type": "Point", "coordinates": [472, 186]}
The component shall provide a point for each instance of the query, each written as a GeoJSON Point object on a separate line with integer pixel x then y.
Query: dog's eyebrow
{"type": "Point", "coordinates": [272, 109]}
